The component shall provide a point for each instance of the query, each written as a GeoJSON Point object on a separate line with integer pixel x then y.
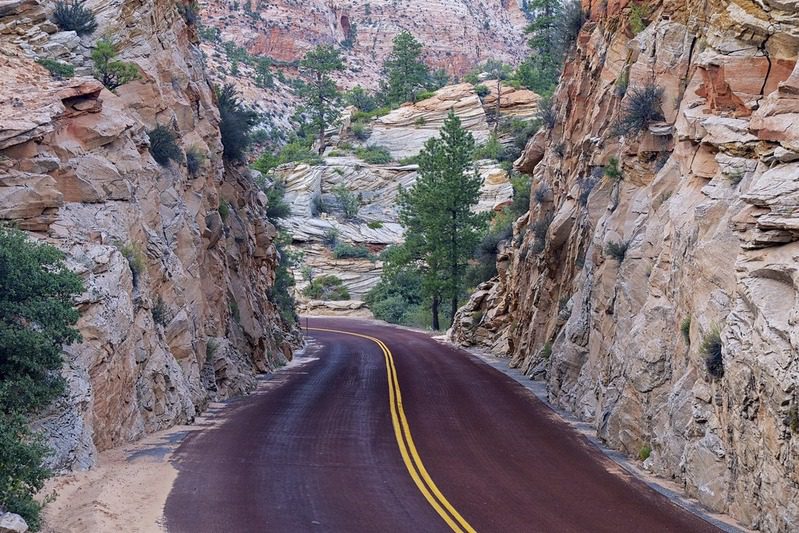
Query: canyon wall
{"type": "Point", "coordinates": [706, 205]}
{"type": "Point", "coordinates": [176, 310]}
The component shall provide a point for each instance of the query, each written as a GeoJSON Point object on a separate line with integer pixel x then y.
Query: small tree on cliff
{"type": "Point", "coordinates": [235, 123]}
{"type": "Point", "coordinates": [319, 92]}
{"type": "Point", "coordinates": [442, 228]}
{"type": "Point", "coordinates": [405, 71]}
{"type": "Point", "coordinates": [499, 72]}
{"type": "Point", "coordinates": [36, 319]}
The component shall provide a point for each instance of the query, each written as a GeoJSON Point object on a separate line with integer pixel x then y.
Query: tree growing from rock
{"type": "Point", "coordinates": [235, 124]}
{"type": "Point", "coordinates": [110, 71]}
{"type": "Point", "coordinates": [320, 95]}
{"type": "Point", "coordinates": [498, 71]}
{"type": "Point", "coordinates": [36, 320]}
{"type": "Point", "coordinates": [405, 72]}
{"type": "Point", "coordinates": [437, 211]}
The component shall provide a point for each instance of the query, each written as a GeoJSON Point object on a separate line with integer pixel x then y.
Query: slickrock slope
{"type": "Point", "coordinates": [75, 170]}
{"type": "Point", "coordinates": [708, 203]}
{"type": "Point", "coordinates": [403, 132]}
{"type": "Point", "coordinates": [457, 35]}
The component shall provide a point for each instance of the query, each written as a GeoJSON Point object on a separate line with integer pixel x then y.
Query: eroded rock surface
{"type": "Point", "coordinates": [707, 206]}
{"type": "Point", "coordinates": [175, 311]}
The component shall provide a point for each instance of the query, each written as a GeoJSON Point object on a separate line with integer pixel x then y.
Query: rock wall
{"type": "Point", "coordinates": [176, 309]}
{"type": "Point", "coordinates": [707, 204]}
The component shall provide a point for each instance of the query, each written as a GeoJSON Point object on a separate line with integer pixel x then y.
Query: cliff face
{"type": "Point", "coordinates": [456, 35]}
{"type": "Point", "coordinates": [176, 310]}
{"type": "Point", "coordinates": [707, 203]}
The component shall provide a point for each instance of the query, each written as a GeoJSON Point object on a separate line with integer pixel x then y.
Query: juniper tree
{"type": "Point", "coordinates": [437, 211]}
{"type": "Point", "coordinates": [319, 93]}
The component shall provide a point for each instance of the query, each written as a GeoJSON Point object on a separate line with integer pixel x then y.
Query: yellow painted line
{"type": "Point", "coordinates": [410, 455]}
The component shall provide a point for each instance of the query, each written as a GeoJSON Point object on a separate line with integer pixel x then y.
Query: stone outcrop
{"type": "Point", "coordinates": [707, 210]}
{"type": "Point", "coordinates": [12, 523]}
{"type": "Point", "coordinates": [176, 309]}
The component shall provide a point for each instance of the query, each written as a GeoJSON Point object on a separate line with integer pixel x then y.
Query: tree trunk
{"type": "Point", "coordinates": [496, 117]}
{"type": "Point", "coordinates": [434, 308]}
{"type": "Point", "coordinates": [454, 306]}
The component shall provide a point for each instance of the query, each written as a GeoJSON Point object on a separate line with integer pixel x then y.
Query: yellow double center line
{"type": "Point", "coordinates": [407, 448]}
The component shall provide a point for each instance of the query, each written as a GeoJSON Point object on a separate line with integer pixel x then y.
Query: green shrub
{"type": "Point", "coordinates": [327, 287]}
{"type": "Point", "coordinates": [276, 207]}
{"type": "Point", "coordinates": [211, 348]}
{"type": "Point", "coordinates": [190, 11]}
{"type": "Point", "coordinates": [617, 250]}
{"type": "Point", "coordinates": [72, 16]}
{"type": "Point", "coordinates": [194, 160]}
{"type": "Point", "coordinates": [349, 251]}
{"type": "Point", "coordinates": [360, 131]}
{"type": "Point", "coordinates": [108, 70]}
{"type": "Point", "coordinates": [37, 319]}
{"type": "Point", "coordinates": [163, 145]}
{"type": "Point", "coordinates": [374, 224]}
{"type": "Point", "coordinates": [392, 309]}
{"type": "Point", "coordinates": [236, 123]}
{"type": "Point", "coordinates": [793, 417]}
{"type": "Point", "coordinates": [424, 95]}
{"type": "Point", "coordinates": [685, 329]}
{"type": "Point", "coordinates": [472, 77]}
{"type": "Point", "coordinates": [161, 313]}
{"type": "Point", "coordinates": [224, 209]}
{"type": "Point", "coordinates": [587, 185]}
{"type": "Point", "coordinates": [613, 170]}
{"type": "Point", "coordinates": [481, 90]}
{"type": "Point", "coordinates": [540, 228]}
{"type": "Point", "coordinates": [642, 107]}
{"type": "Point", "coordinates": [735, 177]}
{"type": "Point", "coordinates": [492, 149]}
{"type": "Point", "coordinates": [358, 97]}
{"type": "Point", "coordinates": [293, 152]}
{"type": "Point", "coordinates": [281, 294]}
{"type": "Point", "coordinates": [638, 13]}
{"type": "Point", "coordinates": [374, 155]}
{"type": "Point", "coordinates": [411, 160]}
{"type": "Point", "coordinates": [347, 200]}
{"type": "Point", "coordinates": [521, 194]}
{"type": "Point", "coordinates": [419, 122]}
{"type": "Point", "coordinates": [546, 113]}
{"type": "Point", "coordinates": [135, 259]}
{"type": "Point", "coordinates": [546, 350]}
{"type": "Point", "coordinates": [57, 69]}
{"type": "Point", "coordinates": [711, 351]}
{"type": "Point", "coordinates": [330, 238]}
{"type": "Point", "coordinates": [645, 452]}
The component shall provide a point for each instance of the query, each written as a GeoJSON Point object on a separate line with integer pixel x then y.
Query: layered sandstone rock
{"type": "Point", "coordinates": [707, 206]}
{"type": "Point", "coordinates": [176, 308]}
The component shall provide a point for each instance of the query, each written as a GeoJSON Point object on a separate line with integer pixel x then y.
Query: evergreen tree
{"type": "Point", "coordinates": [319, 93]}
{"type": "Point", "coordinates": [36, 319]}
{"type": "Point", "coordinates": [543, 41]}
{"type": "Point", "coordinates": [236, 123]}
{"type": "Point", "coordinates": [442, 230]}
{"type": "Point", "coordinates": [499, 72]}
{"type": "Point", "coordinates": [406, 73]}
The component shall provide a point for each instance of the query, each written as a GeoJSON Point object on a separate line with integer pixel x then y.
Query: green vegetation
{"type": "Point", "coordinates": [398, 297]}
{"type": "Point", "coordinates": [161, 314]}
{"type": "Point", "coordinates": [36, 320]}
{"type": "Point", "coordinates": [638, 14]}
{"type": "Point", "coordinates": [373, 154]}
{"type": "Point", "coordinates": [319, 93]}
{"type": "Point", "coordinates": [735, 177]}
{"type": "Point", "coordinates": [263, 73]}
{"type": "Point", "coordinates": [617, 250]}
{"type": "Point", "coordinates": [281, 292]}
{"type": "Point", "coordinates": [406, 73]}
{"type": "Point", "coordinates": [685, 329]}
{"type": "Point", "coordinates": [57, 69]}
{"type": "Point", "coordinates": [347, 200]}
{"type": "Point", "coordinates": [135, 259]}
{"type": "Point", "coordinates": [644, 452]}
{"type": "Point", "coordinates": [72, 16]}
{"type": "Point", "coordinates": [327, 287]}
{"type": "Point", "coordinates": [642, 106]}
{"type": "Point", "coordinates": [492, 149]}
{"type": "Point", "coordinates": [546, 113]}
{"type": "Point", "coordinates": [163, 145]}
{"type": "Point", "coordinates": [236, 123]}
{"type": "Point", "coordinates": [711, 351]}
{"type": "Point", "coordinates": [374, 224]}
{"type": "Point", "coordinates": [613, 170]}
{"type": "Point", "coordinates": [108, 70]}
{"type": "Point", "coordinates": [349, 251]}
{"type": "Point", "coordinates": [546, 350]}
{"type": "Point", "coordinates": [358, 97]}
{"type": "Point", "coordinates": [297, 151]}
{"type": "Point", "coordinates": [224, 209]}
{"type": "Point", "coordinates": [276, 206]}
{"type": "Point", "coordinates": [195, 158]}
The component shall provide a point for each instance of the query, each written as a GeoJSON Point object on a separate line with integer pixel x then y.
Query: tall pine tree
{"type": "Point", "coordinates": [405, 71]}
{"type": "Point", "coordinates": [319, 92]}
{"type": "Point", "coordinates": [442, 230]}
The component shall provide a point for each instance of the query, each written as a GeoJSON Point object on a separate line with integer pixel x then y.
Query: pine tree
{"type": "Point", "coordinates": [544, 42]}
{"type": "Point", "coordinates": [406, 73]}
{"type": "Point", "coordinates": [319, 93]}
{"type": "Point", "coordinates": [442, 230]}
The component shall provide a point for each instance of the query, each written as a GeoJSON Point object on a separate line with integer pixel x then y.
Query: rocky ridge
{"type": "Point", "coordinates": [706, 207]}
{"type": "Point", "coordinates": [175, 311]}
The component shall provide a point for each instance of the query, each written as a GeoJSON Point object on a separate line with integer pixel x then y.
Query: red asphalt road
{"type": "Point", "coordinates": [317, 452]}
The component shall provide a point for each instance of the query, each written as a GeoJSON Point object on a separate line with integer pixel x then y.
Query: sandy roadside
{"type": "Point", "coordinates": [127, 489]}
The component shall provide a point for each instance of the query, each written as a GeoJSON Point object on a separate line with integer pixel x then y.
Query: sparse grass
{"type": "Point", "coordinates": [642, 107]}
{"type": "Point", "coordinates": [685, 329]}
{"type": "Point", "coordinates": [711, 351]}
{"type": "Point", "coordinates": [57, 69]}
{"type": "Point", "coordinates": [135, 259]}
{"type": "Point", "coordinates": [617, 250]}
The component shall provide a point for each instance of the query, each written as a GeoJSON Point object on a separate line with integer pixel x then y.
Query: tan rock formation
{"type": "Point", "coordinates": [707, 207]}
{"type": "Point", "coordinates": [188, 319]}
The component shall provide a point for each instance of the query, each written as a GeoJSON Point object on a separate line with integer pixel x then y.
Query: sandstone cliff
{"type": "Point", "coordinates": [176, 310]}
{"type": "Point", "coordinates": [707, 206]}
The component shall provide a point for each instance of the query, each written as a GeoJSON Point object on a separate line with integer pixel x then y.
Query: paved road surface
{"type": "Point", "coordinates": [410, 436]}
